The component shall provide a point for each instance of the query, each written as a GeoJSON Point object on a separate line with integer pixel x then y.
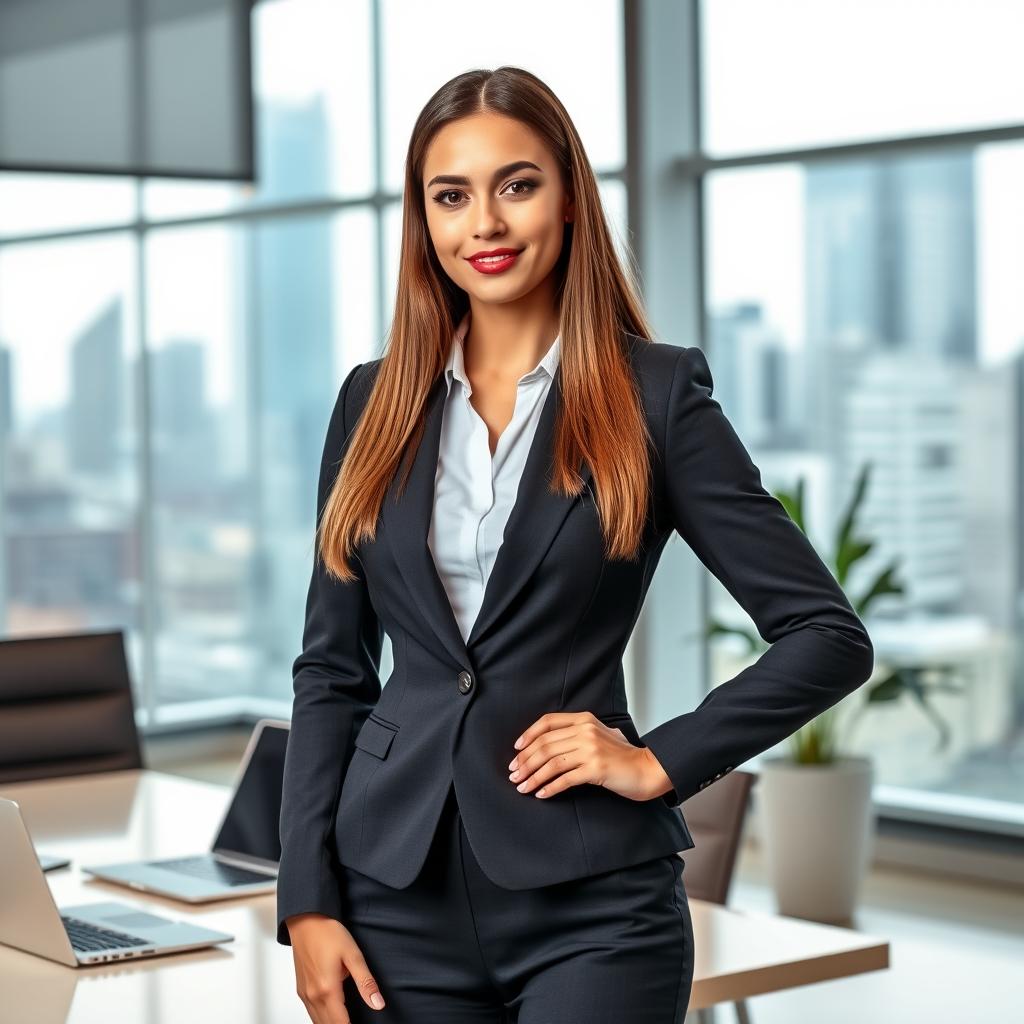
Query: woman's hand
{"type": "Point", "coordinates": [325, 954]}
{"type": "Point", "coordinates": [563, 749]}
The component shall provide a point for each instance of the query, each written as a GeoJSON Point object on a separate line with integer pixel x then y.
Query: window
{"type": "Point", "coordinates": [798, 73]}
{"type": "Point", "coordinates": [865, 308]}
{"type": "Point", "coordinates": [166, 382]}
{"type": "Point", "coordinates": [70, 558]}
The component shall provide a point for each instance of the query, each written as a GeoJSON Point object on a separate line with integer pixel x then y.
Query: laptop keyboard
{"type": "Point", "coordinates": [208, 868]}
{"type": "Point", "coordinates": [87, 937]}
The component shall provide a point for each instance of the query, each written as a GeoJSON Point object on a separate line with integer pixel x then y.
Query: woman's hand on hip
{"type": "Point", "coordinates": [563, 749]}
{"type": "Point", "coordinates": [325, 954]}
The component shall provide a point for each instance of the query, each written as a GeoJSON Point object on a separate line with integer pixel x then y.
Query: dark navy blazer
{"type": "Point", "coordinates": [368, 767]}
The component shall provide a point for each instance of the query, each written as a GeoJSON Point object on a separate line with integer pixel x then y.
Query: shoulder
{"type": "Point", "coordinates": [363, 378]}
{"type": "Point", "coordinates": [653, 360]}
{"type": "Point", "coordinates": [666, 373]}
{"type": "Point", "coordinates": [366, 372]}
{"type": "Point", "coordinates": [650, 359]}
{"type": "Point", "coordinates": [356, 388]}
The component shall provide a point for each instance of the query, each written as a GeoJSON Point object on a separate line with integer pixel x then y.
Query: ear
{"type": "Point", "coordinates": [570, 209]}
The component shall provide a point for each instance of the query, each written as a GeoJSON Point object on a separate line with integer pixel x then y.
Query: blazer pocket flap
{"type": "Point", "coordinates": [375, 737]}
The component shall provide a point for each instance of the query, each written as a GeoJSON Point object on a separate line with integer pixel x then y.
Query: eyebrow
{"type": "Point", "coordinates": [458, 179]}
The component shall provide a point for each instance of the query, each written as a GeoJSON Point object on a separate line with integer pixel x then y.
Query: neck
{"type": "Point", "coordinates": [506, 340]}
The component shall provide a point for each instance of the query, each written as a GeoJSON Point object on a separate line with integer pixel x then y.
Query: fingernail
{"type": "Point", "coordinates": [512, 764]}
{"type": "Point", "coordinates": [518, 743]}
{"type": "Point", "coordinates": [377, 1001]}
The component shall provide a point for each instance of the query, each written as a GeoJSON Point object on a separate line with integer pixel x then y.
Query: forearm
{"type": "Point", "coordinates": [795, 680]}
{"type": "Point", "coordinates": [820, 650]}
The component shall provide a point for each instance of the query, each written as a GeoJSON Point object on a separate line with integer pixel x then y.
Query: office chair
{"type": "Point", "coordinates": [66, 707]}
{"type": "Point", "coordinates": [715, 817]}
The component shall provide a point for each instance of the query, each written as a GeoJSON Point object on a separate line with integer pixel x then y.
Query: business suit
{"type": "Point", "coordinates": [368, 773]}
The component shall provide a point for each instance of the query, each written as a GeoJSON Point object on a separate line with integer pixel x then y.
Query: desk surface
{"type": "Point", "coordinates": [127, 815]}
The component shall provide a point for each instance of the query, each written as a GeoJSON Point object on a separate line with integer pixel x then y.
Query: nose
{"type": "Point", "coordinates": [487, 221]}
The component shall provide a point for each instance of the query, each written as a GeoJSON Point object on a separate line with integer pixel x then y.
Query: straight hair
{"type": "Point", "coordinates": [601, 418]}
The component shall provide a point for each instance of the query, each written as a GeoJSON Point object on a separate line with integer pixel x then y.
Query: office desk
{"type": "Point", "coordinates": [137, 814]}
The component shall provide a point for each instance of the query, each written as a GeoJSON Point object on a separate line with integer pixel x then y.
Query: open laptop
{"type": "Point", "coordinates": [52, 861]}
{"type": "Point", "coordinates": [86, 933]}
{"type": "Point", "coordinates": [246, 852]}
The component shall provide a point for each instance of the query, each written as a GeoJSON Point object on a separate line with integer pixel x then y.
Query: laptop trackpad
{"type": "Point", "coordinates": [137, 919]}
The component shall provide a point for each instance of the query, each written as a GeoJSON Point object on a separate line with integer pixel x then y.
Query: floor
{"type": "Point", "coordinates": [956, 953]}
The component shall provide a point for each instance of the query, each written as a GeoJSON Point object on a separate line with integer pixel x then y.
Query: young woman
{"type": "Point", "coordinates": [487, 837]}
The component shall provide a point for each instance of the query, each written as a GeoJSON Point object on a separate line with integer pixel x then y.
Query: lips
{"type": "Point", "coordinates": [495, 262]}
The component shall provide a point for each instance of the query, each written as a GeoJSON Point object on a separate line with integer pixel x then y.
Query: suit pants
{"type": "Point", "coordinates": [454, 948]}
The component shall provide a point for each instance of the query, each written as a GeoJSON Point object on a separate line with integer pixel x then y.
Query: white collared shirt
{"type": "Point", "coordinates": [473, 492]}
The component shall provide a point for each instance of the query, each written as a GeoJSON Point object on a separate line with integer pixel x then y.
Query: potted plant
{"type": "Point", "coordinates": [816, 815]}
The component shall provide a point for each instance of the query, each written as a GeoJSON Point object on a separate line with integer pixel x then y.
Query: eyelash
{"type": "Point", "coordinates": [531, 186]}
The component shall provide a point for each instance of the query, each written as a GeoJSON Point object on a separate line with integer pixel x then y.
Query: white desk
{"type": "Point", "coordinates": [139, 814]}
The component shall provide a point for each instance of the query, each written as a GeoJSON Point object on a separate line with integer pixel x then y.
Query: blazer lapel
{"type": "Point", "coordinates": [533, 522]}
{"type": "Point", "coordinates": [532, 525]}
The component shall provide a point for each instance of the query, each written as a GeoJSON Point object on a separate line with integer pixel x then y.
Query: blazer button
{"type": "Point", "coordinates": [465, 682]}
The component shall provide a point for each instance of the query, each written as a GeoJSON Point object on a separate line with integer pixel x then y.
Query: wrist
{"type": "Point", "coordinates": [658, 781]}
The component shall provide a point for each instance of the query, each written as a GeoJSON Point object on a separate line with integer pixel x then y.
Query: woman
{"type": "Point", "coordinates": [488, 837]}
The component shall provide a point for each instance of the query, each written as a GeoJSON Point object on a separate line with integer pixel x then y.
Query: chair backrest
{"type": "Point", "coordinates": [715, 817]}
{"type": "Point", "coordinates": [66, 707]}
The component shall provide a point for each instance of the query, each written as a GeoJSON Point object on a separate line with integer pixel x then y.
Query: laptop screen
{"type": "Point", "coordinates": [252, 822]}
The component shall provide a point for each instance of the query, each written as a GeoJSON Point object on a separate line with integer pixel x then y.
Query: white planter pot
{"type": "Point", "coordinates": [818, 830]}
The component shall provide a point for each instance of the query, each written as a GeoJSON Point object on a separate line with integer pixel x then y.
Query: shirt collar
{"type": "Point", "coordinates": [456, 368]}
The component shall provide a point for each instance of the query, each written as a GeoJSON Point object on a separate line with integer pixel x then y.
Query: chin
{"type": "Point", "coordinates": [500, 299]}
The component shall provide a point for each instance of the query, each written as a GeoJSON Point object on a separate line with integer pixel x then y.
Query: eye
{"type": "Point", "coordinates": [530, 186]}
{"type": "Point", "coordinates": [439, 198]}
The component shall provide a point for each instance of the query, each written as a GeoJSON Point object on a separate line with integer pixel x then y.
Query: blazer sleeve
{"type": "Point", "coordinates": [335, 682]}
{"type": "Point", "coordinates": [820, 649]}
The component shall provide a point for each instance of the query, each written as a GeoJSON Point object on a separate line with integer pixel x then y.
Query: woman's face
{"type": "Point", "coordinates": [489, 183]}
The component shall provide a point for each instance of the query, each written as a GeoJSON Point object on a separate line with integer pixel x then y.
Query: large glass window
{"type": "Point", "coordinates": [167, 375]}
{"type": "Point", "coordinates": [170, 351]}
{"type": "Point", "coordinates": [69, 492]}
{"type": "Point", "coordinates": [423, 46]}
{"type": "Point", "coordinates": [865, 314]}
{"type": "Point", "coordinates": [31, 203]}
{"type": "Point", "coordinates": [315, 321]}
{"type": "Point", "coordinates": [797, 73]}
{"type": "Point", "coordinates": [203, 513]}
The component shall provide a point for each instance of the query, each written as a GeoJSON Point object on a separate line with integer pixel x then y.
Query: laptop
{"type": "Point", "coordinates": [246, 852]}
{"type": "Point", "coordinates": [85, 933]}
{"type": "Point", "coordinates": [52, 861]}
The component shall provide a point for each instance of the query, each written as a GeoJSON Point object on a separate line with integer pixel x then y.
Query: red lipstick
{"type": "Point", "coordinates": [493, 261]}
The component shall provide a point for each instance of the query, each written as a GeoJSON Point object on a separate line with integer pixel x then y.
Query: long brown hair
{"type": "Point", "coordinates": [601, 418]}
